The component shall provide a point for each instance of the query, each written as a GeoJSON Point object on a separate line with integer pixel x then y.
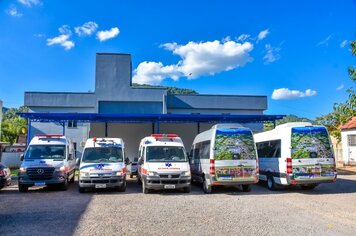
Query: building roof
{"type": "Point", "coordinates": [148, 118]}
{"type": "Point", "coordinates": [351, 124]}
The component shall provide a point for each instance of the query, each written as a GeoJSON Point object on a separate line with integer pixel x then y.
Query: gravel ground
{"type": "Point", "coordinates": [330, 209]}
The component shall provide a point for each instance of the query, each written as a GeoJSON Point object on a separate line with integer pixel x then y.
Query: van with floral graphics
{"type": "Point", "coordinates": [296, 153]}
{"type": "Point", "coordinates": [224, 155]}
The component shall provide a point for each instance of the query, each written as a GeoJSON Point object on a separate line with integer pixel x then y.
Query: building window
{"type": "Point", "coordinates": [72, 124]}
{"type": "Point", "coordinates": [351, 140]}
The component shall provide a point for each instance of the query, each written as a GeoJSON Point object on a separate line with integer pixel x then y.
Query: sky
{"type": "Point", "coordinates": [294, 52]}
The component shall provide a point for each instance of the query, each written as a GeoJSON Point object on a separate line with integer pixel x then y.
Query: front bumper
{"type": "Point", "coordinates": [58, 177]}
{"type": "Point", "coordinates": [109, 181]}
{"type": "Point", "coordinates": [157, 183]}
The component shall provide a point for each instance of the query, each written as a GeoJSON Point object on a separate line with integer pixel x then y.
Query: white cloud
{"type": "Point", "coordinates": [325, 41]}
{"type": "Point", "coordinates": [154, 72]}
{"type": "Point", "coordinates": [108, 34]}
{"type": "Point", "coordinates": [30, 3]}
{"type": "Point", "coordinates": [243, 37]}
{"type": "Point", "coordinates": [341, 86]}
{"type": "Point", "coordinates": [272, 54]}
{"type": "Point", "coordinates": [12, 11]}
{"type": "Point", "coordinates": [262, 34]}
{"type": "Point", "coordinates": [343, 43]}
{"type": "Point", "coordinates": [285, 93]}
{"type": "Point", "coordinates": [39, 35]}
{"type": "Point", "coordinates": [63, 38]}
{"type": "Point", "coordinates": [86, 29]}
{"type": "Point", "coordinates": [197, 59]}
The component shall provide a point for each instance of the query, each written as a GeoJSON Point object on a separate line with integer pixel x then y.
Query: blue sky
{"type": "Point", "coordinates": [294, 52]}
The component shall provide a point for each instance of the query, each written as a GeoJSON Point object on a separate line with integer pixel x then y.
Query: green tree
{"type": "Point", "coordinates": [342, 112]}
{"type": "Point", "coordinates": [286, 119]}
{"type": "Point", "coordinates": [170, 90]}
{"type": "Point", "coordinates": [13, 125]}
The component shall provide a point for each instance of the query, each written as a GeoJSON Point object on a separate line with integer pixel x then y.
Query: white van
{"type": "Point", "coordinates": [48, 160]}
{"type": "Point", "coordinates": [224, 155]}
{"type": "Point", "coordinates": [102, 165]}
{"type": "Point", "coordinates": [296, 153]}
{"type": "Point", "coordinates": [163, 163]}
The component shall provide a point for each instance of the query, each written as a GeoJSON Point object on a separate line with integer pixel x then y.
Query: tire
{"type": "Point", "coordinates": [308, 187]}
{"type": "Point", "coordinates": [23, 188]}
{"type": "Point", "coordinates": [144, 189]}
{"type": "Point", "coordinates": [187, 189]}
{"type": "Point", "coordinates": [122, 188]}
{"type": "Point", "coordinates": [271, 185]}
{"type": "Point", "coordinates": [246, 188]}
{"type": "Point", "coordinates": [81, 189]}
{"type": "Point", "coordinates": [207, 189]}
{"type": "Point", "coordinates": [64, 186]}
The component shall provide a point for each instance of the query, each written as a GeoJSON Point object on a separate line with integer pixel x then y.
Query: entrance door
{"type": "Point", "coordinates": [351, 140]}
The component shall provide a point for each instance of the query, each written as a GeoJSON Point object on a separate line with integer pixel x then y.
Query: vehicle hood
{"type": "Point", "coordinates": [168, 166]}
{"type": "Point", "coordinates": [42, 163]}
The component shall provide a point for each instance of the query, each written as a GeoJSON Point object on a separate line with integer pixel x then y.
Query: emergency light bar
{"type": "Point", "coordinates": [164, 135]}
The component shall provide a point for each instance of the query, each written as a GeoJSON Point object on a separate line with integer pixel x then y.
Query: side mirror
{"type": "Point", "coordinates": [77, 161]}
{"type": "Point", "coordinates": [140, 161]}
{"type": "Point", "coordinates": [22, 156]}
{"type": "Point", "coordinates": [127, 161]}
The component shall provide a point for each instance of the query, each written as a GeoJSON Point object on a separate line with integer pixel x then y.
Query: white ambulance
{"type": "Point", "coordinates": [103, 165]}
{"type": "Point", "coordinates": [163, 163]}
{"type": "Point", "coordinates": [48, 160]}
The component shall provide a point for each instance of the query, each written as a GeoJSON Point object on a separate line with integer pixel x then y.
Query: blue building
{"type": "Point", "coordinates": [114, 94]}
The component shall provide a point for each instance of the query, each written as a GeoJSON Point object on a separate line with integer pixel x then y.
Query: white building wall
{"type": "Point", "coordinates": [345, 146]}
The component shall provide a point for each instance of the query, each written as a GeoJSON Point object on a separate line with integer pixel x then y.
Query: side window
{"type": "Point", "coordinates": [72, 124]}
{"type": "Point", "coordinates": [269, 149]}
{"type": "Point", "coordinates": [197, 150]}
{"type": "Point", "coordinates": [205, 150]}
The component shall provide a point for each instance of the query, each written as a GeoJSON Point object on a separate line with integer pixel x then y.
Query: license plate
{"type": "Point", "coordinates": [169, 186]}
{"type": "Point", "coordinates": [40, 183]}
{"type": "Point", "coordinates": [100, 186]}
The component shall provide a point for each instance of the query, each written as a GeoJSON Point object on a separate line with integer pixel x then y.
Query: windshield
{"type": "Point", "coordinates": [45, 152]}
{"type": "Point", "coordinates": [234, 144]}
{"type": "Point", "coordinates": [310, 142]}
{"type": "Point", "coordinates": [165, 153]}
{"type": "Point", "coordinates": [102, 154]}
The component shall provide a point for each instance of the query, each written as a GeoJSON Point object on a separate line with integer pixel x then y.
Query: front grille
{"type": "Point", "coordinates": [40, 173]}
{"type": "Point", "coordinates": [99, 181]}
{"type": "Point", "coordinates": [169, 181]}
{"type": "Point", "coordinates": [168, 176]}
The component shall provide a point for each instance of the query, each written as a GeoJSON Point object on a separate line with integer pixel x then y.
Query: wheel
{"type": "Point", "coordinates": [246, 188]}
{"type": "Point", "coordinates": [64, 186]}
{"type": "Point", "coordinates": [23, 188]}
{"type": "Point", "coordinates": [81, 189]}
{"type": "Point", "coordinates": [207, 189]}
{"type": "Point", "coordinates": [122, 188]}
{"type": "Point", "coordinates": [271, 185]}
{"type": "Point", "coordinates": [131, 176]}
{"type": "Point", "coordinates": [144, 189]}
{"type": "Point", "coordinates": [187, 189]}
{"type": "Point", "coordinates": [308, 186]}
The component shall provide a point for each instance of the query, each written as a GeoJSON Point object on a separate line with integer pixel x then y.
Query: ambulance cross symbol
{"type": "Point", "coordinates": [169, 164]}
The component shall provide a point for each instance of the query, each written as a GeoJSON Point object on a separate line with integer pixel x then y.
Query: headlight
{"type": "Point", "coordinates": [62, 168]}
{"type": "Point", "coordinates": [84, 174]}
{"type": "Point", "coordinates": [117, 173]}
{"type": "Point", "coordinates": [22, 169]}
{"type": "Point", "coordinates": [152, 173]}
{"type": "Point", "coordinates": [186, 173]}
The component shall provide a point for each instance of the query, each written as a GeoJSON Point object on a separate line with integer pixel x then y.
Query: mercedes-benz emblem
{"type": "Point", "coordinates": [169, 176]}
{"type": "Point", "coordinates": [40, 171]}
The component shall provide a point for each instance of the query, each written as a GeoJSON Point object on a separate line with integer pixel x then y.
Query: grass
{"type": "Point", "coordinates": [14, 172]}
